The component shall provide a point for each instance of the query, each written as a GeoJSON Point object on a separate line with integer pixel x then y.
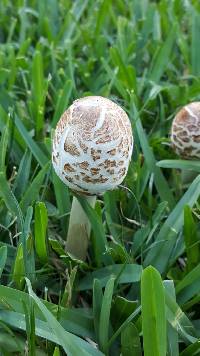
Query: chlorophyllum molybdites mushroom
{"type": "Point", "coordinates": [185, 135]}
{"type": "Point", "coordinates": [92, 148]}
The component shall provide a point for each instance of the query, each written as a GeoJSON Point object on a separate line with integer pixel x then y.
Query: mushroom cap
{"type": "Point", "coordinates": [92, 145]}
{"type": "Point", "coordinates": [185, 133]}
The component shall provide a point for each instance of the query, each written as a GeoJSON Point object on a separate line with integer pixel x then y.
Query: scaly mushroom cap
{"type": "Point", "coordinates": [185, 134]}
{"type": "Point", "coordinates": [92, 145]}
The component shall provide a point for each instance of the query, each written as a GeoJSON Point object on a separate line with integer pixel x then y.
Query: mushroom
{"type": "Point", "coordinates": [185, 135]}
{"type": "Point", "coordinates": [92, 148]}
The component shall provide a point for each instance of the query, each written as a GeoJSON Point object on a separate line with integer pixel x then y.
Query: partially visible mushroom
{"type": "Point", "coordinates": [92, 148]}
{"type": "Point", "coordinates": [185, 134]}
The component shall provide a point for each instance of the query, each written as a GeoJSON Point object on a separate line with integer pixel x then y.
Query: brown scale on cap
{"type": "Point", "coordinates": [110, 171]}
{"type": "Point", "coordinates": [84, 165]}
{"type": "Point", "coordinates": [94, 171]}
{"type": "Point", "coordinates": [185, 133]}
{"type": "Point", "coordinates": [101, 179]}
{"type": "Point", "coordinates": [69, 179]}
{"type": "Point", "coordinates": [103, 139]}
{"type": "Point", "coordinates": [197, 139]}
{"type": "Point", "coordinates": [112, 152]}
{"type": "Point", "coordinates": [95, 154]}
{"type": "Point", "coordinates": [71, 149]}
{"type": "Point", "coordinates": [68, 167]}
{"type": "Point", "coordinates": [121, 172]}
{"type": "Point", "coordinates": [83, 147]}
{"type": "Point", "coordinates": [94, 141]}
{"type": "Point", "coordinates": [108, 163]}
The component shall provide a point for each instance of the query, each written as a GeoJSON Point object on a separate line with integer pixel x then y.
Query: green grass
{"type": "Point", "coordinates": [138, 291]}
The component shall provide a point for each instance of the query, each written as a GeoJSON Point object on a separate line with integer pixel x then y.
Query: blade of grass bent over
{"type": "Point", "coordinates": [128, 273]}
{"type": "Point", "coordinates": [73, 345]}
{"type": "Point", "coordinates": [73, 320]}
{"type": "Point", "coordinates": [179, 164]}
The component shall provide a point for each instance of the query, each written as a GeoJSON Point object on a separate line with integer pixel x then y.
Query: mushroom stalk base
{"type": "Point", "coordinates": [79, 229]}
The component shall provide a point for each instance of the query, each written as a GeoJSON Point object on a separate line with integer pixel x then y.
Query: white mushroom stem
{"type": "Point", "coordinates": [79, 229]}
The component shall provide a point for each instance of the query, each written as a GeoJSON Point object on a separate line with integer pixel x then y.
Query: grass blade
{"type": "Point", "coordinates": [73, 320]}
{"type": "Point", "coordinates": [195, 52]}
{"type": "Point", "coordinates": [56, 352]}
{"type": "Point", "coordinates": [39, 87]}
{"type": "Point", "coordinates": [128, 273]}
{"type": "Point", "coordinates": [97, 303]}
{"type": "Point", "coordinates": [63, 202]}
{"type": "Point", "coordinates": [62, 102]}
{"type": "Point", "coordinates": [161, 250]}
{"type": "Point", "coordinates": [153, 313]}
{"type": "Point", "coordinates": [179, 320]}
{"type": "Point", "coordinates": [179, 164]}
{"type": "Point", "coordinates": [191, 350]}
{"type": "Point", "coordinates": [4, 146]}
{"type": "Point", "coordinates": [172, 334]}
{"type": "Point", "coordinates": [186, 284]}
{"type": "Point", "coordinates": [39, 155]}
{"type": "Point", "coordinates": [162, 57]}
{"type": "Point", "coordinates": [3, 258]}
{"type": "Point", "coordinates": [160, 181]}
{"type": "Point", "coordinates": [18, 270]}
{"type": "Point", "coordinates": [124, 325]}
{"type": "Point", "coordinates": [23, 239]}
{"type": "Point", "coordinates": [10, 200]}
{"type": "Point", "coordinates": [191, 239]}
{"type": "Point", "coordinates": [33, 190]}
{"type": "Point", "coordinates": [130, 341]}
{"type": "Point", "coordinates": [98, 230]}
{"type": "Point", "coordinates": [72, 344]}
{"type": "Point", "coordinates": [105, 315]}
{"type": "Point", "coordinates": [22, 178]}
{"type": "Point", "coordinates": [7, 195]}
{"type": "Point", "coordinates": [41, 221]}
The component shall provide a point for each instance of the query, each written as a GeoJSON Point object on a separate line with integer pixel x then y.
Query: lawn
{"type": "Point", "coordinates": [138, 291]}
